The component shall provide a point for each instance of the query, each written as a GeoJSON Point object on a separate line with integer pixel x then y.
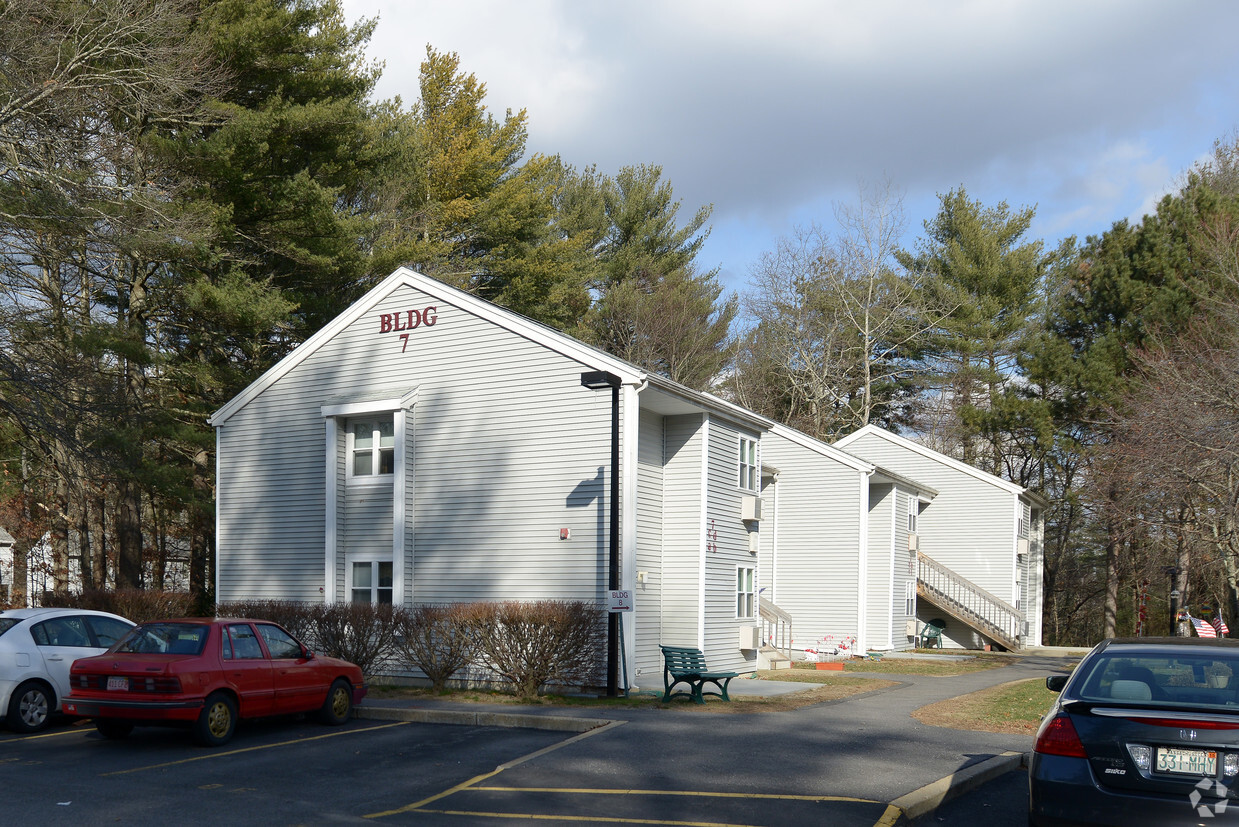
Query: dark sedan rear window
{"type": "Point", "coordinates": [165, 639]}
{"type": "Point", "coordinates": [1205, 679]}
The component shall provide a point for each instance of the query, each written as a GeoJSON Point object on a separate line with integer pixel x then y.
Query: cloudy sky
{"type": "Point", "coordinates": [776, 111]}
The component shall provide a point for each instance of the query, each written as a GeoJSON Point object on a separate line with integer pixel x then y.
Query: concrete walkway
{"type": "Point", "coordinates": [865, 745]}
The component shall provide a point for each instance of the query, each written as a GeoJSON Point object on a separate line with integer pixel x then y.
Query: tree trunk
{"type": "Point", "coordinates": [129, 536]}
{"type": "Point", "coordinates": [99, 546]}
{"type": "Point", "coordinates": [1110, 610]}
{"type": "Point", "coordinates": [201, 536]}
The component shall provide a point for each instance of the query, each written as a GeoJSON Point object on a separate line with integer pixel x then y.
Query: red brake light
{"type": "Point", "coordinates": [1058, 737]}
{"type": "Point", "coordinates": [1186, 723]}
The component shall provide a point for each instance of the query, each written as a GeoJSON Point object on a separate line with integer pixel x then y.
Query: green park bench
{"type": "Point", "coordinates": [684, 664]}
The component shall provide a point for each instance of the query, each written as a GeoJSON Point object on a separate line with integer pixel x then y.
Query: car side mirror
{"type": "Point", "coordinates": [307, 653]}
{"type": "Point", "coordinates": [1055, 683]}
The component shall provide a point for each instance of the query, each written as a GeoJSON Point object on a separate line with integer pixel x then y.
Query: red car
{"type": "Point", "coordinates": [207, 674]}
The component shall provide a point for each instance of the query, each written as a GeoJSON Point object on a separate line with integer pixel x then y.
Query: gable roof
{"type": "Point", "coordinates": [942, 459]}
{"type": "Point", "coordinates": [850, 460]}
{"type": "Point", "coordinates": [536, 332]}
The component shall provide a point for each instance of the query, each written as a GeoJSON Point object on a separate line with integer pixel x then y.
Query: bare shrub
{"type": "Point", "coordinates": [295, 616]}
{"type": "Point", "coordinates": [532, 644]}
{"type": "Point", "coordinates": [362, 633]}
{"type": "Point", "coordinates": [438, 640]}
{"type": "Point", "coordinates": [139, 605]}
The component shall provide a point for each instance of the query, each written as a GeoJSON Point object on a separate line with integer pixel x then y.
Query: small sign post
{"type": "Point", "coordinates": [619, 600]}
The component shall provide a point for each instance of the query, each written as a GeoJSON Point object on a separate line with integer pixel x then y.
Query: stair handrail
{"type": "Point", "coordinates": [976, 601]}
{"type": "Point", "coordinates": [776, 626]}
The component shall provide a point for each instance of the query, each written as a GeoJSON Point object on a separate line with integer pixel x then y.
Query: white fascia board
{"type": "Point", "coordinates": [403, 277]}
{"type": "Point", "coordinates": [931, 454]}
{"type": "Point", "coordinates": [819, 447]}
{"type": "Point", "coordinates": [721, 406]}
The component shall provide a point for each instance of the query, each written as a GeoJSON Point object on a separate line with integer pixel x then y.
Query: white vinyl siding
{"type": "Point", "coordinates": [648, 589]}
{"type": "Point", "coordinates": [730, 542]}
{"type": "Point", "coordinates": [486, 504]}
{"type": "Point", "coordinates": [683, 534]}
{"type": "Point", "coordinates": [970, 526]}
{"type": "Point", "coordinates": [884, 514]}
{"type": "Point", "coordinates": [818, 530]}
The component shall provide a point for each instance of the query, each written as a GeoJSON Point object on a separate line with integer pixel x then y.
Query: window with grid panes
{"type": "Point", "coordinates": [746, 594]}
{"type": "Point", "coordinates": [749, 470]}
{"type": "Point", "coordinates": [373, 447]}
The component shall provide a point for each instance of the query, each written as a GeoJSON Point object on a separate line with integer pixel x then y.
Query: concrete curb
{"type": "Point", "coordinates": [924, 801]}
{"type": "Point", "coordinates": [557, 723]}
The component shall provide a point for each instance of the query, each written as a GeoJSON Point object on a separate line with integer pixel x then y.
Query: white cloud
{"type": "Point", "coordinates": [770, 111]}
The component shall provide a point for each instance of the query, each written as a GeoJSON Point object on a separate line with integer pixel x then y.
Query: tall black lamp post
{"type": "Point", "coordinates": [1173, 573]}
{"type": "Point", "coordinates": [597, 380]}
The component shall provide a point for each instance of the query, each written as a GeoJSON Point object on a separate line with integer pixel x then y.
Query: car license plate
{"type": "Point", "coordinates": [1186, 761]}
{"type": "Point", "coordinates": [116, 683]}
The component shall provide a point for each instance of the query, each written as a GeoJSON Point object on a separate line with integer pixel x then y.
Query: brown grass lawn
{"type": "Point", "coordinates": [1014, 708]}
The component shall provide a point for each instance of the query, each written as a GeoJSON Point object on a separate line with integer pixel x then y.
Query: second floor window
{"type": "Point", "coordinates": [748, 464]}
{"type": "Point", "coordinates": [374, 447]}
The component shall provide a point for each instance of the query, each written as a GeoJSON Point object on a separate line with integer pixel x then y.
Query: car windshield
{"type": "Point", "coordinates": [164, 638]}
{"type": "Point", "coordinates": [7, 623]}
{"type": "Point", "coordinates": [1205, 679]}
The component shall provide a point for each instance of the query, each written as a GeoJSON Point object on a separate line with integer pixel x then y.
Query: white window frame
{"type": "Point", "coordinates": [748, 474]}
{"type": "Point", "coordinates": [375, 423]}
{"type": "Point", "coordinates": [746, 592]}
{"type": "Point", "coordinates": [909, 598]}
{"type": "Point", "coordinates": [914, 512]}
{"type": "Point", "coordinates": [374, 561]}
{"type": "Point", "coordinates": [336, 416]}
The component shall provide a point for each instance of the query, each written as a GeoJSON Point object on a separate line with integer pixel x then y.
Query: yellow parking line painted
{"type": "Point", "coordinates": [590, 819]}
{"type": "Point", "coordinates": [889, 818]}
{"type": "Point", "coordinates": [56, 734]}
{"type": "Point", "coordinates": [253, 749]}
{"type": "Point", "coordinates": [689, 793]}
{"type": "Point", "coordinates": [417, 805]}
{"type": "Point", "coordinates": [507, 765]}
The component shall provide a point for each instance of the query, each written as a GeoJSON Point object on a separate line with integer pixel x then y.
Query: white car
{"type": "Point", "coordinates": [37, 647]}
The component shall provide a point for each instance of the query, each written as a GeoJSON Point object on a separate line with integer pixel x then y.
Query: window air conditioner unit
{"type": "Point", "coordinates": [750, 509]}
{"type": "Point", "coordinates": [750, 637]}
{"type": "Point", "coordinates": [1022, 547]}
{"type": "Point", "coordinates": [914, 542]}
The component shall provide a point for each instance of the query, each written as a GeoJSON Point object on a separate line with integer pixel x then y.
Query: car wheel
{"type": "Point", "coordinates": [218, 720]}
{"type": "Point", "coordinates": [113, 729]}
{"type": "Point", "coordinates": [30, 707]}
{"type": "Point", "coordinates": [339, 704]}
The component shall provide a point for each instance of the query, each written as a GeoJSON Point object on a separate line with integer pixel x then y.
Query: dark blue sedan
{"type": "Point", "coordinates": [1145, 731]}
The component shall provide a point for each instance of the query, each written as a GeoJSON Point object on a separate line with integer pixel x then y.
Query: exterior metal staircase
{"type": "Point", "coordinates": [991, 616]}
{"type": "Point", "coordinates": [776, 636]}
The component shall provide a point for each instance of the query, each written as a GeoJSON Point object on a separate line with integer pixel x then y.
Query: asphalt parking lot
{"type": "Point", "coordinates": [272, 773]}
{"type": "Point", "coordinates": [372, 772]}
{"type": "Point", "coordinates": [391, 772]}
{"type": "Point", "coordinates": [860, 761]}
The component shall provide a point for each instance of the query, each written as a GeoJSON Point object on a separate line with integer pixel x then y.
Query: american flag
{"type": "Point", "coordinates": [1203, 629]}
{"type": "Point", "coordinates": [1220, 626]}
